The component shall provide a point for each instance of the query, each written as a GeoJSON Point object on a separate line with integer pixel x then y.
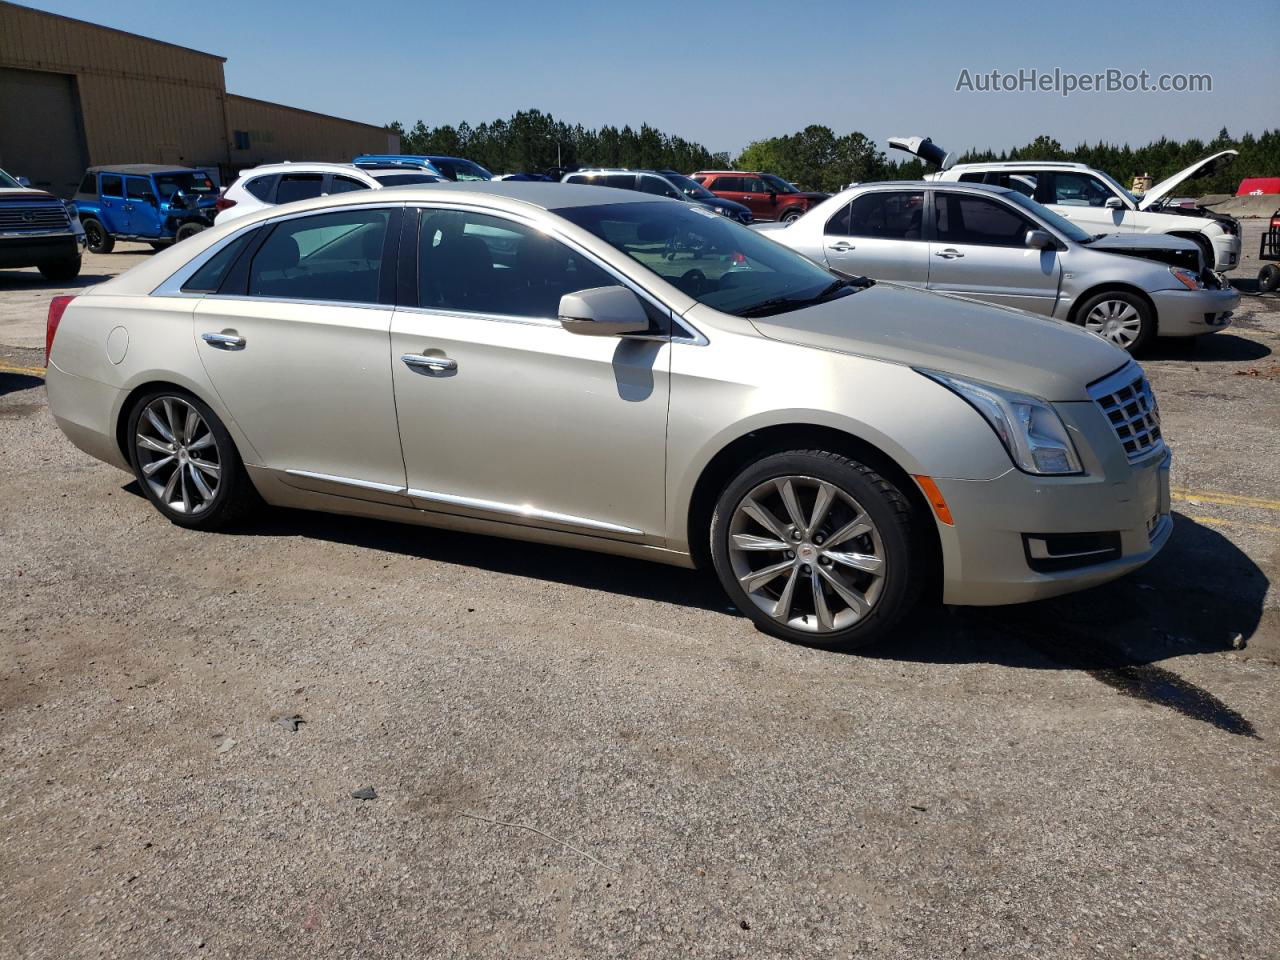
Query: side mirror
{"type": "Point", "coordinates": [149, 198]}
{"type": "Point", "coordinates": [178, 201]}
{"type": "Point", "coordinates": [1114, 203]}
{"type": "Point", "coordinates": [1040, 240]}
{"type": "Point", "coordinates": [603, 312]}
{"type": "Point", "coordinates": [773, 196]}
{"type": "Point", "coordinates": [24, 181]}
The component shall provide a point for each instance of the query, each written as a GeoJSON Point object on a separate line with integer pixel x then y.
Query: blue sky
{"type": "Point", "coordinates": [724, 74]}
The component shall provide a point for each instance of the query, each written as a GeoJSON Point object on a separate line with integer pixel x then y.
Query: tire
{"type": "Point", "coordinates": [96, 236]}
{"type": "Point", "coordinates": [61, 271]}
{"type": "Point", "coordinates": [1268, 278]}
{"type": "Point", "coordinates": [1121, 317]}
{"type": "Point", "coordinates": [157, 247]}
{"type": "Point", "coordinates": [865, 511]}
{"type": "Point", "coordinates": [186, 490]}
{"type": "Point", "coordinates": [188, 230]}
{"type": "Point", "coordinates": [791, 216]}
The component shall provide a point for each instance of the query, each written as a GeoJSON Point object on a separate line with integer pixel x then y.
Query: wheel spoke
{"type": "Point", "coordinates": [186, 497]}
{"type": "Point", "coordinates": [167, 495]}
{"type": "Point", "coordinates": [857, 561]}
{"type": "Point", "coordinates": [154, 445]}
{"type": "Point", "coordinates": [149, 468]}
{"type": "Point", "coordinates": [821, 504]}
{"type": "Point", "coordinates": [161, 427]}
{"type": "Point", "coordinates": [758, 578]}
{"type": "Point", "coordinates": [205, 441]}
{"type": "Point", "coordinates": [204, 489]}
{"type": "Point", "coordinates": [782, 609]}
{"type": "Point", "coordinates": [190, 425]}
{"type": "Point", "coordinates": [212, 469]}
{"type": "Point", "coordinates": [788, 493]}
{"type": "Point", "coordinates": [856, 527]}
{"type": "Point", "coordinates": [762, 515]}
{"type": "Point", "coordinates": [175, 428]}
{"type": "Point", "coordinates": [856, 601]}
{"type": "Point", "coordinates": [825, 620]}
{"type": "Point", "coordinates": [748, 541]}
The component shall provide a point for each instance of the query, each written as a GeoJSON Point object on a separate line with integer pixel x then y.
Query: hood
{"type": "Point", "coordinates": [25, 193]}
{"type": "Point", "coordinates": [1201, 168]}
{"type": "Point", "coordinates": [1051, 359]}
{"type": "Point", "coordinates": [1175, 251]}
{"type": "Point", "coordinates": [811, 195]}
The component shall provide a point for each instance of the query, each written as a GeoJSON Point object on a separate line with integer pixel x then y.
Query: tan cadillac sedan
{"type": "Point", "coordinates": [607, 370]}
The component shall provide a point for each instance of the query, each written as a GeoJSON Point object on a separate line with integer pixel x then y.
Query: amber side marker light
{"type": "Point", "coordinates": [940, 508]}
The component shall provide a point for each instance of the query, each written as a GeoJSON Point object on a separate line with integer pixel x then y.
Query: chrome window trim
{"type": "Point", "coordinates": [521, 510]}
{"type": "Point", "coordinates": [246, 298]}
{"type": "Point", "coordinates": [172, 287]}
{"type": "Point", "coordinates": [691, 334]}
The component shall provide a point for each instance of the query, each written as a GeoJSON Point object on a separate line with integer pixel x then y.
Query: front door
{"type": "Point", "coordinates": [112, 204]}
{"type": "Point", "coordinates": [980, 250]}
{"type": "Point", "coordinates": [880, 234]}
{"type": "Point", "coordinates": [755, 194]}
{"type": "Point", "coordinates": [144, 213]}
{"type": "Point", "coordinates": [1082, 198]}
{"type": "Point", "coordinates": [505, 415]}
{"type": "Point", "coordinates": [295, 343]}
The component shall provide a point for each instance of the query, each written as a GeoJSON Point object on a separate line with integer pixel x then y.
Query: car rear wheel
{"type": "Point", "coordinates": [188, 230]}
{"type": "Point", "coordinates": [1123, 318]}
{"type": "Point", "coordinates": [186, 462]}
{"type": "Point", "coordinates": [816, 549]}
{"type": "Point", "coordinates": [96, 237]}
{"type": "Point", "coordinates": [1269, 278]}
{"type": "Point", "coordinates": [61, 271]}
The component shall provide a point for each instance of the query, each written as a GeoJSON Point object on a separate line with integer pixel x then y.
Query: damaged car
{"type": "Point", "coordinates": [1096, 202]}
{"type": "Point", "coordinates": [997, 245]}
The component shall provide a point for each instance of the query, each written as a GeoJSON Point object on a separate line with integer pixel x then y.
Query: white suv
{"type": "Point", "coordinates": [277, 183]}
{"type": "Point", "coordinates": [1097, 203]}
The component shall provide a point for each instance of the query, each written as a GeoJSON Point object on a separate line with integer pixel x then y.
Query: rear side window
{"type": "Point", "coordinates": [209, 277]}
{"type": "Point", "coordinates": [328, 256]}
{"type": "Point", "coordinates": [838, 226]}
{"type": "Point", "coordinates": [977, 220]}
{"type": "Point", "coordinates": [89, 185]}
{"type": "Point", "coordinates": [261, 187]}
{"type": "Point", "coordinates": [887, 215]}
{"type": "Point", "coordinates": [112, 185]}
{"type": "Point", "coordinates": [576, 178]}
{"type": "Point", "coordinates": [624, 181]}
{"type": "Point", "coordinates": [299, 186]}
{"type": "Point", "coordinates": [728, 184]}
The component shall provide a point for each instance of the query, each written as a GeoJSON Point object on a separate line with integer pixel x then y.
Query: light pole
{"type": "Point", "coordinates": [551, 136]}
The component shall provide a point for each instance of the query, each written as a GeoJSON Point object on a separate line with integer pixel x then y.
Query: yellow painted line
{"type": "Point", "coordinates": [1219, 522]}
{"type": "Point", "coordinates": [1224, 499]}
{"type": "Point", "coordinates": [24, 371]}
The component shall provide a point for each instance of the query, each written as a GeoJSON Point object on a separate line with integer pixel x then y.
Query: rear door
{"type": "Point", "coordinates": [729, 187]}
{"type": "Point", "coordinates": [979, 250]}
{"type": "Point", "coordinates": [880, 234]}
{"type": "Point", "coordinates": [115, 211]}
{"type": "Point", "coordinates": [143, 207]}
{"type": "Point", "coordinates": [299, 186]}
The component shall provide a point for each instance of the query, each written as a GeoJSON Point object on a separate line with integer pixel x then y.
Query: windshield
{"type": "Point", "coordinates": [1061, 224]}
{"type": "Point", "coordinates": [714, 260]}
{"type": "Point", "coordinates": [777, 184]}
{"type": "Point", "coordinates": [691, 188]}
{"type": "Point", "coordinates": [197, 183]}
{"type": "Point", "coordinates": [403, 179]}
{"type": "Point", "coordinates": [462, 170]}
{"type": "Point", "coordinates": [7, 182]}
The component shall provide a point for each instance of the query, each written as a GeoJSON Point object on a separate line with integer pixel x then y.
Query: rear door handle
{"type": "Point", "coordinates": [420, 362]}
{"type": "Point", "coordinates": [223, 341]}
{"type": "Point", "coordinates": [843, 246]}
{"type": "Point", "coordinates": [949, 254]}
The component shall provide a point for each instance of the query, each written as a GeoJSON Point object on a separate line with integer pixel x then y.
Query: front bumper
{"type": "Point", "coordinates": [1189, 313]}
{"type": "Point", "coordinates": [32, 249]}
{"type": "Point", "coordinates": [1226, 251]}
{"type": "Point", "coordinates": [985, 557]}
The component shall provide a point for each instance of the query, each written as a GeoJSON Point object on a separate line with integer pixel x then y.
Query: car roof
{"type": "Point", "coordinates": [1023, 165]}
{"type": "Point", "coordinates": [141, 169]}
{"type": "Point", "coordinates": [591, 170]}
{"type": "Point", "coordinates": [950, 185]}
{"type": "Point", "coordinates": [306, 167]}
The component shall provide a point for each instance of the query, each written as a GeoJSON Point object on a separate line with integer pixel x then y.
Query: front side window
{"type": "Point", "coordinates": [112, 185]}
{"type": "Point", "coordinates": [1079, 190]}
{"type": "Point", "coordinates": [658, 187]}
{"type": "Point", "coordinates": [137, 188]}
{"type": "Point", "coordinates": [711, 258]}
{"type": "Point", "coordinates": [887, 215]}
{"type": "Point", "coordinates": [89, 185]}
{"type": "Point", "coordinates": [346, 185]}
{"type": "Point", "coordinates": [328, 256]}
{"type": "Point", "coordinates": [476, 263]}
{"type": "Point", "coordinates": [778, 185]}
{"type": "Point", "coordinates": [461, 170]}
{"type": "Point", "coordinates": [404, 179]}
{"type": "Point", "coordinates": [299, 186]}
{"type": "Point", "coordinates": [754, 185]}
{"type": "Point", "coordinates": [977, 220]}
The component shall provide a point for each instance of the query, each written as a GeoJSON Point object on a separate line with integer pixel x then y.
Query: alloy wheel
{"type": "Point", "coordinates": [1115, 320]}
{"type": "Point", "coordinates": [178, 456]}
{"type": "Point", "coordinates": [807, 554]}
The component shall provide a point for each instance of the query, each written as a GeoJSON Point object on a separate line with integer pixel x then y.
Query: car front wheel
{"type": "Point", "coordinates": [816, 548]}
{"type": "Point", "coordinates": [61, 271]}
{"type": "Point", "coordinates": [186, 462]}
{"type": "Point", "coordinates": [791, 216]}
{"type": "Point", "coordinates": [1123, 318]}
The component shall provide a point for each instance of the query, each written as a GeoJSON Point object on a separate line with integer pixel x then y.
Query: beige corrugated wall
{"type": "Point", "coordinates": [277, 132]}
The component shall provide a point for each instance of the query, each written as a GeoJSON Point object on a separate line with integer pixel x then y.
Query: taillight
{"type": "Point", "coordinates": [57, 307]}
{"type": "Point", "coordinates": [223, 204]}
{"type": "Point", "coordinates": [1275, 223]}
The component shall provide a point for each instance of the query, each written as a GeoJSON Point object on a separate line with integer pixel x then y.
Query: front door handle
{"type": "Point", "coordinates": [949, 254]}
{"type": "Point", "coordinates": [843, 247]}
{"type": "Point", "coordinates": [223, 341]}
{"type": "Point", "coordinates": [420, 362]}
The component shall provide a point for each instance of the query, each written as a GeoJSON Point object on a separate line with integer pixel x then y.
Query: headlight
{"type": "Point", "coordinates": [1187, 278]}
{"type": "Point", "coordinates": [1030, 429]}
{"type": "Point", "coordinates": [72, 212]}
{"type": "Point", "coordinates": [723, 211]}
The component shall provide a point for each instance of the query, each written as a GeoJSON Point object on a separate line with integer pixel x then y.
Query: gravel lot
{"type": "Point", "coordinates": [582, 756]}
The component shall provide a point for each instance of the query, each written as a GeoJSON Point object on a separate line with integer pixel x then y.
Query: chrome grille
{"type": "Point", "coordinates": [1126, 400]}
{"type": "Point", "coordinates": [45, 216]}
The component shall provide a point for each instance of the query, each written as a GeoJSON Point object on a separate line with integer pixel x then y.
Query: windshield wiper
{"type": "Point", "coordinates": [783, 304]}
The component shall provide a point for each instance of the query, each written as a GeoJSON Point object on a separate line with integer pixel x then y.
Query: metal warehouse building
{"type": "Point", "coordinates": [73, 94]}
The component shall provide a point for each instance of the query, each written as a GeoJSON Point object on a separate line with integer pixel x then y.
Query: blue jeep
{"type": "Point", "coordinates": [156, 204]}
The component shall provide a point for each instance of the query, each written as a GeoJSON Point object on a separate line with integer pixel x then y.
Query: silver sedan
{"type": "Point", "coordinates": [616, 372]}
{"type": "Point", "coordinates": [998, 245]}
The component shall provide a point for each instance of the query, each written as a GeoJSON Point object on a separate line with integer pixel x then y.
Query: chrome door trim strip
{"type": "Point", "coordinates": [521, 510]}
{"type": "Point", "coordinates": [347, 481]}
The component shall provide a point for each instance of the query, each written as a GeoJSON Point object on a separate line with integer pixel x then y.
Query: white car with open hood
{"type": "Point", "coordinates": [1095, 201]}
